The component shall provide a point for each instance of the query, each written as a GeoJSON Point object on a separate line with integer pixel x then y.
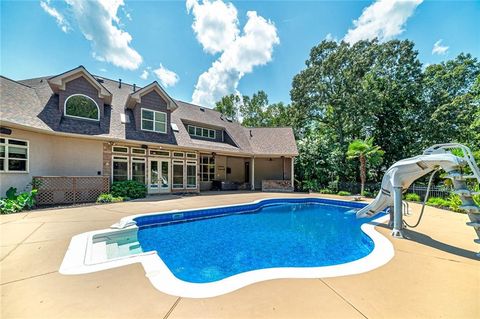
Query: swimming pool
{"type": "Point", "coordinates": [210, 251]}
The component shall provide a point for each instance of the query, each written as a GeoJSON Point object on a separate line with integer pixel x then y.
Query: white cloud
{"type": "Point", "coordinates": [215, 24]}
{"type": "Point", "coordinates": [144, 74]}
{"type": "Point", "coordinates": [439, 49]}
{"type": "Point", "coordinates": [103, 70]}
{"type": "Point", "coordinates": [240, 53]}
{"type": "Point", "coordinates": [384, 20]}
{"type": "Point", "coordinates": [167, 77]}
{"type": "Point", "coordinates": [98, 21]}
{"type": "Point", "coordinates": [59, 18]}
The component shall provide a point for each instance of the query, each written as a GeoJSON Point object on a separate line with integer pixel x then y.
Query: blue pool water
{"type": "Point", "coordinates": [308, 233]}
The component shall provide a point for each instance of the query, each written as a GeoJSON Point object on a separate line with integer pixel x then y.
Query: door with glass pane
{"type": "Point", "coordinates": [158, 176]}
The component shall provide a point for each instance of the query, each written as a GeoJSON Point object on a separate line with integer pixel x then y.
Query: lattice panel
{"type": "Point", "coordinates": [70, 189]}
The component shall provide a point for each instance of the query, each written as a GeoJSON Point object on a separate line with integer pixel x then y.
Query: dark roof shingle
{"type": "Point", "coordinates": [32, 103]}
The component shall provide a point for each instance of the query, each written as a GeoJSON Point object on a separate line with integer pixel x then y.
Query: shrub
{"type": "Point", "coordinates": [310, 185]}
{"type": "Point", "coordinates": [344, 193]}
{"type": "Point", "coordinates": [368, 194]}
{"type": "Point", "coordinates": [455, 202]}
{"type": "Point", "coordinates": [129, 189]}
{"type": "Point", "coordinates": [326, 191]}
{"type": "Point", "coordinates": [412, 197]}
{"type": "Point", "coordinates": [108, 198]}
{"type": "Point", "coordinates": [438, 202]}
{"type": "Point", "coordinates": [14, 203]}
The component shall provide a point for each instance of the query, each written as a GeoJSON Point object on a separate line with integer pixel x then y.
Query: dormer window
{"type": "Point", "coordinates": [154, 121]}
{"type": "Point", "coordinates": [201, 132]}
{"type": "Point", "coordinates": [82, 106]}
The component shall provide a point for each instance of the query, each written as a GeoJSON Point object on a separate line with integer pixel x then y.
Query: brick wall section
{"type": "Point", "coordinates": [80, 86]}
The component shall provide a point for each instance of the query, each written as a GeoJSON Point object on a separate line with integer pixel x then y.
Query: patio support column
{"type": "Point", "coordinates": [292, 171]}
{"type": "Point", "coordinates": [253, 173]}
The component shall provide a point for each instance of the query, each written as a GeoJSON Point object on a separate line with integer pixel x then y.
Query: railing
{"type": "Point", "coordinates": [69, 189]}
{"type": "Point", "coordinates": [435, 191]}
{"type": "Point", "coordinates": [373, 188]}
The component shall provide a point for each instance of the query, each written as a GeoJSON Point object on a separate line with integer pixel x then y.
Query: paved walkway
{"type": "Point", "coordinates": [433, 274]}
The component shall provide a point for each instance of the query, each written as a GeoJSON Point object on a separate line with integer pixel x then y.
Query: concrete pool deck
{"type": "Point", "coordinates": [433, 274]}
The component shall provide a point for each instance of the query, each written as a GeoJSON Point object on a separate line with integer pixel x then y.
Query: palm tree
{"type": "Point", "coordinates": [364, 150]}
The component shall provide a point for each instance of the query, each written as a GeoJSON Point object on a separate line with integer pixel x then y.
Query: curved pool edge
{"type": "Point", "coordinates": [163, 279]}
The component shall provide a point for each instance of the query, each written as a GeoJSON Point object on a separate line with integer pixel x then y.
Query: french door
{"type": "Point", "coordinates": [159, 176]}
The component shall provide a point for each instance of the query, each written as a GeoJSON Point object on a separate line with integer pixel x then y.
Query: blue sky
{"type": "Point", "coordinates": [202, 50]}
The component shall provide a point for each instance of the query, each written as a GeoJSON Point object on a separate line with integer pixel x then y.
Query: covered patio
{"type": "Point", "coordinates": [226, 172]}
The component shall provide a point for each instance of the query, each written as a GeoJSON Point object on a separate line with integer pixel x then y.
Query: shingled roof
{"type": "Point", "coordinates": [32, 104]}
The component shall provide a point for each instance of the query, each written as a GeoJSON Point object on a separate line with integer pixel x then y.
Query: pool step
{"type": "Point", "coordinates": [114, 250]}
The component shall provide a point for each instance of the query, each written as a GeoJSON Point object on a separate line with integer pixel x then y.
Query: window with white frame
{"type": "Point", "coordinates": [201, 132]}
{"type": "Point", "coordinates": [138, 169]}
{"type": "Point", "coordinates": [191, 174]}
{"type": "Point", "coordinates": [120, 149]}
{"type": "Point", "coordinates": [159, 153]}
{"type": "Point", "coordinates": [139, 151]}
{"type": "Point", "coordinates": [154, 121]}
{"type": "Point", "coordinates": [177, 174]}
{"type": "Point", "coordinates": [119, 168]}
{"type": "Point", "coordinates": [178, 154]}
{"type": "Point", "coordinates": [14, 155]}
{"type": "Point", "coordinates": [82, 106]}
{"type": "Point", "coordinates": [207, 168]}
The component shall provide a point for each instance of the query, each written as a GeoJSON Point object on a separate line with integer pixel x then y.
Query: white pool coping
{"type": "Point", "coordinates": [78, 259]}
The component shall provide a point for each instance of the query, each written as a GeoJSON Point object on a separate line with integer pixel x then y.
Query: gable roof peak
{"type": "Point", "coordinates": [136, 97]}
{"type": "Point", "coordinates": [58, 82]}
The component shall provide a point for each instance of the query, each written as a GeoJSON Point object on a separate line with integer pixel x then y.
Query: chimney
{"type": "Point", "coordinates": [119, 83]}
{"type": "Point", "coordinates": [134, 87]}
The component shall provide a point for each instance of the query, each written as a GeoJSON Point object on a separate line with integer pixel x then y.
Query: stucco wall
{"type": "Point", "coordinates": [51, 155]}
{"type": "Point", "coordinates": [237, 169]}
{"type": "Point", "coordinates": [266, 169]}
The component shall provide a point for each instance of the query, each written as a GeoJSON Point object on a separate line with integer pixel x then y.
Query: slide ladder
{"type": "Point", "coordinates": [403, 173]}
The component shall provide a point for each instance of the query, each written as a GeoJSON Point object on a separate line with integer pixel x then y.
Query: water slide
{"type": "Point", "coordinates": [403, 173]}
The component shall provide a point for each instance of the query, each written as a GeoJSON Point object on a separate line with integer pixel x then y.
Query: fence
{"type": "Point", "coordinates": [373, 188]}
{"type": "Point", "coordinates": [69, 189]}
{"type": "Point", "coordinates": [435, 191]}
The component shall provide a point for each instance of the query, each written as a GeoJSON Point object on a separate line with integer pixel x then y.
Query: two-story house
{"type": "Point", "coordinates": [79, 124]}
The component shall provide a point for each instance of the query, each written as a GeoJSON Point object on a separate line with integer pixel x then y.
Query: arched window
{"type": "Point", "coordinates": [82, 106]}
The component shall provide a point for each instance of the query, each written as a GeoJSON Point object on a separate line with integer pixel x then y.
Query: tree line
{"type": "Point", "coordinates": [370, 91]}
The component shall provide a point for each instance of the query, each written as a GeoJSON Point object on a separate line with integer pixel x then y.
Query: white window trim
{"type": "Point", "coordinates": [193, 157]}
{"type": "Point", "coordinates": [122, 159]}
{"type": "Point", "coordinates": [80, 117]}
{"type": "Point", "coordinates": [119, 146]}
{"type": "Point", "coordinates": [175, 156]}
{"type": "Point", "coordinates": [202, 165]}
{"type": "Point", "coordinates": [138, 149]}
{"type": "Point", "coordinates": [156, 150]}
{"type": "Point", "coordinates": [141, 120]}
{"type": "Point", "coordinates": [192, 163]}
{"type": "Point", "coordinates": [137, 160]}
{"type": "Point", "coordinates": [201, 135]}
{"type": "Point", "coordinates": [6, 158]}
{"type": "Point", "coordinates": [182, 162]}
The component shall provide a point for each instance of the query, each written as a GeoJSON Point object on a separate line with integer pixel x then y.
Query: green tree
{"type": "Point", "coordinates": [278, 115]}
{"type": "Point", "coordinates": [364, 151]}
{"type": "Point", "coordinates": [228, 106]}
{"type": "Point", "coordinates": [452, 101]}
{"type": "Point", "coordinates": [253, 109]}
